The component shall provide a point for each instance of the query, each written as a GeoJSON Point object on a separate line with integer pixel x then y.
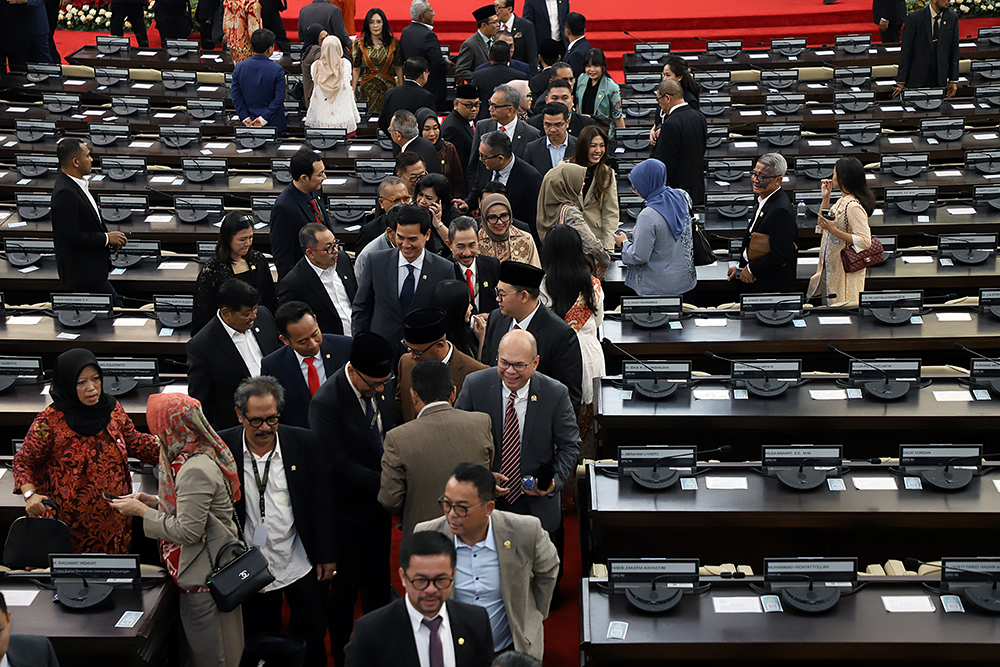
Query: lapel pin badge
{"type": "Point", "coordinates": [534, 398]}
{"type": "Point", "coordinates": [423, 277]}
{"type": "Point", "coordinates": [293, 468]}
{"type": "Point", "coordinates": [506, 545]}
{"type": "Point", "coordinates": [461, 641]}
{"type": "Point", "coordinates": [485, 284]}
{"type": "Point", "coordinates": [328, 355]}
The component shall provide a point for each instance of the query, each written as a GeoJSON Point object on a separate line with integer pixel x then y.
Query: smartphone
{"type": "Point", "coordinates": [825, 212]}
{"type": "Point", "coordinates": [108, 496]}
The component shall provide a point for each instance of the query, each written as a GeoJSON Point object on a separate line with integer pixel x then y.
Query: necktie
{"type": "Point", "coordinates": [468, 281]}
{"type": "Point", "coordinates": [406, 294]}
{"type": "Point", "coordinates": [436, 653]}
{"type": "Point", "coordinates": [489, 43]}
{"type": "Point", "coordinates": [313, 376]}
{"type": "Point", "coordinates": [517, 327]}
{"type": "Point", "coordinates": [503, 129]}
{"type": "Point", "coordinates": [315, 207]}
{"type": "Point", "coordinates": [937, 24]}
{"type": "Point", "coordinates": [372, 418]}
{"type": "Point", "coordinates": [510, 455]}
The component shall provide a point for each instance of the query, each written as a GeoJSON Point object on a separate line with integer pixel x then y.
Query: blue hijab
{"type": "Point", "coordinates": [649, 179]}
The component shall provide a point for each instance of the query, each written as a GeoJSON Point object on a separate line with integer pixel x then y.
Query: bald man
{"type": "Point", "coordinates": [681, 144]}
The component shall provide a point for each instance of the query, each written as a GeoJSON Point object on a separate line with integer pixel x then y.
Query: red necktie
{"type": "Point", "coordinates": [319, 217]}
{"type": "Point", "coordinates": [313, 376]}
{"type": "Point", "coordinates": [503, 129]}
{"type": "Point", "coordinates": [510, 456]}
{"type": "Point", "coordinates": [468, 281]}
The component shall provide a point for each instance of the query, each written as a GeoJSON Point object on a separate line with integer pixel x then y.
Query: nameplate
{"type": "Point", "coordinates": [833, 570]}
{"type": "Point", "coordinates": [669, 371]}
{"type": "Point", "coordinates": [989, 567]}
{"type": "Point", "coordinates": [852, 76]}
{"type": "Point", "coordinates": [939, 455]}
{"type": "Point", "coordinates": [133, 203]}
{"type": "Point", "coordinates": [97, 303]}
{"type": "Point", "coordinates": [640, 572]}
{"type": "Point", "coordinates": [892, 299]}
{"type": "Point", "coordinates": [778, 370]}
{"type": "Point", "coordinates": [29, 246]}
{"type": "Point", "coordinates": [900, 370]}
{"type": "Point", "coordinates": [642, 458]}
{"type": "Point", "coordinates": [128, 105]}
{"type": "Point", "coordinates": [794, 455]}
{"type": "Point", "coordinates": [22, 368]}
{"type": "Point", "coordinates": [650, 305]}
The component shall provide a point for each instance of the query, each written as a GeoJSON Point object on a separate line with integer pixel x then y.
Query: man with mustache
{"type": "Point", "coordinates": [480, 272]}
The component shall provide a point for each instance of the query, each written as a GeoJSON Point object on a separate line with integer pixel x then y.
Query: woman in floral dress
{"type": "Point", "coordinates": [378, 60]}
{"type": "Point", "coordinates": [239, 20]}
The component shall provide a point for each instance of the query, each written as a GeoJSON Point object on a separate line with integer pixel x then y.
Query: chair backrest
{"type": "Point", "coordinates": [268, 650]}
{"type": "Point", "coordinates": [32, 539]}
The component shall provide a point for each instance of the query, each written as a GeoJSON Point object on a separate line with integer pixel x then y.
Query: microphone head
{"type": "Point", "coordinates": [725, 449]}
{"type": "Point", "coordinates": [912, 564]}
{"type": "Point", "coordinates": [709, 354]}
{"type": "Point", "coordinates": [959, 346]}
{"type": "Point", "coordinates": [831, 296]}
{"type": "Point", "coordinates": [606, 341]}
{"type": "Point", "coordinates": [831, 348]}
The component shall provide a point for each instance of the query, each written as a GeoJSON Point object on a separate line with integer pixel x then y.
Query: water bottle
{"type": "Point", "coordinates": [802, 209]}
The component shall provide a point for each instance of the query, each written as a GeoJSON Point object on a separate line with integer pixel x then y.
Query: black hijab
{"type": "Point", "coordinates": [423, 113]}
{"type": "Point", "coordinates": [83, 419]}
{"type": "Point", "coordinates": [311, 36]}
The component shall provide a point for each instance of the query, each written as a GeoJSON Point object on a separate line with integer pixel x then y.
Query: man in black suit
{"type": "Point", "coordinates": [561, 91]}
{"type": "Point", "coordinates": [418, 40]}
{"type": "Point", "coordinates": [770, 255]}
{"type": "Point", "coordinates": [488, 79]}
{"type": "Point", "coordinates": [499, 164]}
{"type": "Point", "coordinates": [405, 134]}
{"type": "Point", "coordinates": [324, 279]}
{"type": "Point", "coordinates": [228, 349]}
{"type": "Point", "coordinates": [929, 55]}
{"type": "Point", "coordinates": [459, 126]}
{"type": "Point", "coordinates": [480, 272]}
{"type": "Point", "coordinates": [399, 280]}
{"type": "Point", "coordinates": [681, 144]}
{"type": "Point", "coordinates": [330, 17]}
{"type": "Point", "coordinates": [523, 32]}
{"type": "Point", "coordinates": [557, 145]}
{"type": "Point", "coordinates": [82, 240]}
{"type": "Point", "coordinates": [536, 12]}
{"type": "Point", "coordinates": [503, 104]}
{"type": "Point", "coordinates": [270, 18]}
{"type": "Point", "coordinates": [23, 650]}
{"type": "Point", "coordinates": [391, 191]}
{"type": "Point", "coordinates": [411, 96]}
{"type": "Point", "coordinates": [889, 15]}
{"type": "Point", "coordinates": [576, 40]}
{"type": "Point", "coordinates": [559, 352]}
{"type": "Point", "coordinates": [300, 203]}
{"type": "Point", "coordinates": [548, 54]}
{"type": "Point", "coordinates": [410, 632]}
{"type": "Point", "coordinates": [350, 415]}
{"type": "Point", "coordinates": [287, 513]}
{"type": "Point", "coordinates": [306, 361]}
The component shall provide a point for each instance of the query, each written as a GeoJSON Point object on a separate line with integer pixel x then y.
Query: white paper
{"type": "Point", "coordinates": [175, 266]}
{"type": "Point", "coordinates": [164, 114]}
{"type": "Point", "coordinates": [29, 269]}
{"type": "Point", "coordinates": [918, 259]}
{"type": "Point", "coordinates": [19, 597]}
{"type": "Point", "coordinates": [141, 144]}
{"type": "Point", "coordinates": [159, 218]}
{"type": "Point", "coordinates": [745, 144]}
{"type": "Point", "coordinates": [146, 53]}
{"type": "Point", "coordinates": [746, 87]}
{"type": "Point", "coordinates": [945, 173]}
{"type": "Point", "coordinates": [711, 394]}
{"type": "Point", "coordinates": [142, 86]}
{"type": "Point", "coordinates": [360, 148]}
{"type": "Point", "coordinates": [17, 109]}
{"type": "Point", "coordinates": [722, 184]}
{"type": "Point", "coordinates": [900, 140]}
{"type": "Point", "coordinates": [834, 319]}
{"type": "Point", "coordinates": [809, 261]}
{"type": "Point", "coordinates": [335, 181]}
{"type": "Point", "coordinates": [207, 89]}
{"type": "Point", "coordinates": [162, 179]}
{"type": "Point", "coordinates": [175, 389]}
{"type": "Point", "coordinates": [875, 483]}
{"type": "Point", "coordinates": [66, 335]}
{"type": "Point", "coordinates": [957, 396]}
{"type": "Point", "coordinates": [253, 181]}
{"type": "Point", "coordinates": [996, 483]}
{"type": "Point", "coordinates": [823, 112]}
{"type": "Point", "coordinates": [892, 108]}
{"type": "Point", "coordinates": [904, 181]}
{"type": "Point", "coordinates": [726, 482]}
{"type": "Point", "coordinates": [759, 56]}
{"type": "Point", "coordinates": [954, 317]}
{"type": "Point", "coordinates": [828, 394]}
{"type": "Point", "coordinates": [289, 147]}
{"type": "Point", "coordinates": [24, 320]}
{"type": "Point", "coordinates": [815, 85]}
{"type": "Point", "coordinates": [738, 605]}
{"type": "Point", "coordinates": [218, 145]}
{"type": "Point", "coordinates": [131, 321]}
{"type": "Point", "coordinates": [711, 322]}
{"type": "Point", "coordinates": [963, 106]}
{"type": "Point", "coordinates": [819, 142]}
{"type": "Point", "coordinates": [95, 112]}
{"type": "Point", "coordinates": [908, 603]}
{"type": "Point", "coordinates": [962, 210]}
{"type": "Point", "coordinates": [750, 113]}
{"type": "Point", "coordinates": [984, 137]}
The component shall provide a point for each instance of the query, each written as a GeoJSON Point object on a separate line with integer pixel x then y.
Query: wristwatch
{"type": "Point", "coordinates": [439, 225]}
{"type": "Point", "coordinates": [28, 494]}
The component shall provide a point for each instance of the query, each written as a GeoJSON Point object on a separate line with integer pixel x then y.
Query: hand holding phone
{"type": "Point", "coordinates": [108, 496]}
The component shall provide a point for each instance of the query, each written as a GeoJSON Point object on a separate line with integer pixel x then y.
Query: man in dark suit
{"type": "Point", "coordinates": [536, 12]}
{"type": "Point", "coordinates": [548, 54]}
{"type": "Point", "coordinates": [475, 50]}
{"type": "Point", "coordinates": [324, 279]}
{"type": "Point", "coordinates": [503, 104]}
{"type": "Point", "coordinates": [498, 163]}
{"type": "Point", "coordinates": [400, 280]}
{"type": "Point", "coordinates": [576, 40]}
{"type": "Point", "coordinates": [258, 88]}
{"type": "Point", "coordinates": [328, 15]}
{"type": "Point", "coordinates": [557, 343]}
{"type": "Point", "coordinates": [498, 73]}
{"type": "Point", "coordinates": [480, 272]}
{"type": "Point", "coordinates": [561, 91]}
{"type": "Point", "coordinates": [418, 40]}
{"type": "Point", "coordinates": [350, 415]}
{"type": "Point", "coordinates": [82, 240]}
{"type": "Point", "coordinates": [519, 65]}
{"type": "Point", "coordinates": [458, 126]}
{"type": "Point", "coordinates": [287, 512]}
{"type": "Point", "coordinates": [270, 18]}
{"type": "Point", "coordinates": [411, 96]}
{"type": "Point", "coordinates": [929, 55]}
{"type": "Point", "coordinates": [228, 349]}
{"type": "Point", "coordinates": [889, 15]}
{"type": "Point", "coordinates": [681, 144]}
{"type": "Point", "coordinates": [23, 650]}
{"type": "Point", "coordinates": [391, 191]}
{"type": "Point", "coordinates": [557, 145]}
{"type": "Point", "coordinates": [770, 255]}
{"type": "Point", "coordinates": [305, 362]}
{"type": "Point", "coordinates": [405, 134]}
{"type": "Point", "coordinates": [523, 32]}
{"type": "Point", "coordinates": [420, 637]}
{"type": "Point", "coordinates": [299, 203]}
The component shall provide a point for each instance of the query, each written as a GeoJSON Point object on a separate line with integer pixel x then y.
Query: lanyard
{"type": "Point", "coordinates": [261, 485]}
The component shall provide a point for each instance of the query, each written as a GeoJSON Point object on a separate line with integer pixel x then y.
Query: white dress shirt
{"type": "Point", "coordinates": [246, 345]}
{"type": "Point", "coordinates": [317, 364]}
{"type": "Point", "coordinates": [422, 635]}
{"type": "Point", "coordinates": [520, 404]}
{"type": "Point", "coordinates": [431, 405]}
{"type": "Point", "coordinates": [569, 46]}
{"type": "Point", "coordinates": [337, 292]}
{"type": "Point", "coordinates": [475, 279]}
{"type": "Point", "coordinates": [553, 7]}
{"type": "Point", "coordinates": [418, 266]}
{"type": "Point", "coordinates": [523, 324]}
{"type": "Point", "coordinates": [508, 128]}
{"type": "Point", "coordinates": [677, 106]}
{"type": "Point", "coordinates": [477, 581]}
{"type": "Point", "coordinates": [286, 557]}
{"type": "Point", "coordinates": [363, 400]}
{"type": "Point", "coordinates": [504, 173]}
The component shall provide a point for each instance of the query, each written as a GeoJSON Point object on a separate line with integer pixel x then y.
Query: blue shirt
{"type": "Point", "coordinates": [556, 153]}
{"type": "Point", "coordinates": [477, 581]}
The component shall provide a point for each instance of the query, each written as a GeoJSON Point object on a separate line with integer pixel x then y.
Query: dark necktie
{"type": "Point", "coordinates": [372, 418]}
{"type": "Point", "coordinates": [937, 25]}
{"type": "Point", "coordinates": [510, 456]}
{"type": "Point", "coordinates": [436, 652]}
{"type": "Point", "coordinates": [315, 208]}
{"type": "Point", "coordinates": [406, 294]}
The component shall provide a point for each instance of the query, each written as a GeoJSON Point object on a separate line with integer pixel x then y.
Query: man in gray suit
{"type": "Point", "coordinates": [23, 650]}
{"type": "Point", "coordinates": [476, 49]}
{"type": "Point", "coordinates": [517, 562]}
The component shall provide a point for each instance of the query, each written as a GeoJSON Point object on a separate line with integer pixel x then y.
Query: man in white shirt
{"type": "Point", "coordinates": [480, 272]}
{"type": "Point", "coordinates": [323, 278]}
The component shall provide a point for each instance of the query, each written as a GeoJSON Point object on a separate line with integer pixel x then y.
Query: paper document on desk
{"type": "Point", "coordinates": [737, 605]}
{"type": "Point", "coordinates": [875, 483]}
{"type": "Point", "coordinates": [19, 598]}
{"type": "Point", "coordinates": [908, 603]}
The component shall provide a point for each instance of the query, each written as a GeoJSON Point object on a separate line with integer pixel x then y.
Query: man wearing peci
{"type": "Point", "coordinates": [480, 272]}
{"type": "Point", "coordinates": [300, 203]}
{"type": "Point", "coordinates": [411, 96]}
{"type": "Point", "coordinates": [418, 40]}
{"type": "Point", "coordinates": [258, 89]}
{"type": "Point", "coordinates": [458, 126]}
{"type": "Point", "coordinates": [324, 279]}
{"type": "Point", "coordinates": [929, 55]}
{"type": "Point", "coordinates": [307, 360]}
{"type": "Point", "coordinates": [476, 49]}
{"type": "Point", "coordinates": [681, 144]}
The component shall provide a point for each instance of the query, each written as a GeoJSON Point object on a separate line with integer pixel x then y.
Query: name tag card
{"type": "Point", "coordinates": [853, 44]}
{"type": "Point", "coordinates": [324, 138]}
{"type": "Point", "coordinates": [202, 109]}
{"type": "Point", "coordinates": [839, 572]}
{"type": "Point", "coordinates": [652, 311]}
{"type": "Point", "coordinates": [860, 133]}
{"type": "Point", "coordinates": [22, 252]}
{"type": "Point", "coordinates": [831, 456]}
{"type": "Point", "coordinates": [724, 48]}
{"type": "Point", "coordinates": [732, 206]}
{"type": "Point", "coordinates": [939, 455]}
{"type": "Point", "coordinates": [644, 458]}
{"type": "Point", "coordinates": [95, 303]}
{"type": "Point", "coordinates": [254, 137]}
{"type": "Point", "coordinates": [900, 370]}
{"type": "Point", "coordinates": [115, 208]}
{"type": "Point", "coordinates": [891, 299]}
{"type": "Point", "coordinates": [128, 106]}
{"type": "Point", "coordinates": [144, 370]}
{"type": "Point", "coordinates": [788, 47]}
{"type": "Point", "coordinates": [652, 52]}
{"type": "Point", "coordinates": [122, 168]}
{"type": "Point", "coordinates": [753, 303]}
{"type": "Point", "coordinates": [854, 101]}
{"type": "Point", "coordinates": [195, 208]}
{"type": "Point", "coordinates": [373, 171]}
{"type": "Point", "coordinates": [32, 166]}
{"type": "Point", "coordinates": [22, 369]}
{"type": "Point", "coordinates": [177, 79]}
{"type": "Point", "coordinates": [34, 130]}
{"type": "Point", "coordinates": [852, 76]}
{"type": "Point", "coordinates": [33, 205]}
{"type": "Point", "coordinates": [639, 573]}
{"type": "Point", "coordinates": [943, 129]}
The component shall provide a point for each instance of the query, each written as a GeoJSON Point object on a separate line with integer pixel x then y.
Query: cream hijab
{"type": "Point", "coordinates": [328, 71]}
{"type": "Point", "coordinates": [560, 187]}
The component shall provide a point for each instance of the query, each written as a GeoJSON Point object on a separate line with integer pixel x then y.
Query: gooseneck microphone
{"type": "Point", "coordinates": [888, 391]}
{"type": "Point", "coordinates": [654, 388]}
{"type": "Point", "coordinates": [992, 383]}
{"type": "Point", "coordinates": [763, 388]}
{"type": "Point", "coordinates": [655, 479]}
{"type": "Point", "coordinates": [985, 598]}
{"type": "Point", "coordinates": [808, 599]}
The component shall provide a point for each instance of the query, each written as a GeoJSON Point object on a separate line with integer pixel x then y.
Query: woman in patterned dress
{"type": "Point", "coordinates": [239, 20]}
{"type": "Point", "coordinates": [558, 204]}
{"type": "Point", "coordinates": [76, 450]}
{"type": "Point", "coordinates": [498, 237]}
{"type": "Point", "coordinates": [378, 60]}
{"type": "Point", "coordinates": [451, 166]}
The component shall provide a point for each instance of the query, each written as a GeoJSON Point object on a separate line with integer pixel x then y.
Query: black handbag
{"type": "Point", "coordinates": [240, 579]}
{"type": "Point", "coordinates": [32, 538]}
{"type": "Point", "coordinates": [703, 253]}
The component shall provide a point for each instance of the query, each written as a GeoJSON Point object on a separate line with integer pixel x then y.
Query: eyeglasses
{"type": "Point", "coordinates": [486, 158]}
{"type": "Point", "coordinates": [471, 105]}
{"type": "Point", "coordinates": [500, 106]}
{"type": "Point", "coordinates": [503, 217]}
{"type": "Point", "coordinates": [329, 248]}
{"type": "Point", "coordinates": [415, 178]}
{"type": "Point", "coordinates": [378, 383]}
{"type": "Point", "coordinates": [257, 422]}
{"type": "Point", "coordinates": [417, 354]}
{"type": "Point", "coordinates": [503, 364]}
{"type": "Point", "coordinates": [405, 199]}
{"type": "Point", "coordinates": [461, 511]}
{"type": "Point", "coordinates": [421, 583]}
{"type": "Point", "coordinates": [761, 175]}
{"type": "Point", "coordinates": [554, 126]}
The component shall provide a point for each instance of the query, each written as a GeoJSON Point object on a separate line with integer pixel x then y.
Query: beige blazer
{"type": "Point", "coordinates": [419, 456]}
{"type": "Point", "coordinates": [602, 218]}
{"type": "Point", "coordinates": [203, 508]}
{"type": "Point", "coordinates": [528, 569]}
{"type": "Point", "coordinates": [460, 364]}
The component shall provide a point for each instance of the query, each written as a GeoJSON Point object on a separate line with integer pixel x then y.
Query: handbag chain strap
{"type": "Point", "coordinates": [239, 530]}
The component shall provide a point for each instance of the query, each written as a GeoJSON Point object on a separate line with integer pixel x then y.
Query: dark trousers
{"type": "Point", "coordinates": [134, 11]}
{"type": "Point", "coordinates": [307, 604]}
{"type": "Point", "coordinates": [270, 18]}
{"type": "Point", "coordinates": [891, 35]}
{"type": "Point", "coordinates": [52, 11]}
{"type": "Point", "coordinates": [38, 49]}
{"type": "Point", "coordinates": [104, 287]}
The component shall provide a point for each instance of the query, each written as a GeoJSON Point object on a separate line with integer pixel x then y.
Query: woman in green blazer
{"type": "Point", "coordinates": [597, 95]}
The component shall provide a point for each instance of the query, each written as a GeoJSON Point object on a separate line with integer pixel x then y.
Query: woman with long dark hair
{"type": "Point", "coordinates": [597, 95]}
{"type": "Point", "coordinates": [451, 166]}
{"type": "Point", "coordinates": [678, 70]}
{"type": "Point", "coordinates": [599, 203]}
{"type": "Point", "coordinates": [849, 226]}
{"type": "Point", "coordinates": [378, 60]}
{"type": "Point", "coordinates": [452, 296]}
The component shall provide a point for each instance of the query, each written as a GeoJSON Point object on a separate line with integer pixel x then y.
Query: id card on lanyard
{"type": "Point", "coordinates": [260, 532]}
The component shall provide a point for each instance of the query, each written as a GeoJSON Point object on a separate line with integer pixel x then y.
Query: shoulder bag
{"type": "Point", "coordinates": [236, 582]}
{"type": "Point", "coordinates": [855, 261]}
{"type": "Point", "coordinates": [703, 253]}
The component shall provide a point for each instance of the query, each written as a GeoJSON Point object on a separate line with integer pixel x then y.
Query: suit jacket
{"type": "Point", "coordinates": [574, 56]}
{"type": "Point", "coordinates": [538, 84]}
{"type": "Point", "coordinates": [919, 53]}
{"type": "Point", "coordinates": [519, 65]}
{"type": "Point", "coordinates": [576, 121]}
{"type": "Point", "coordinates": [460, 365]}
{"type": "Point", "coordinates": [283, 365]}
{"type": "Point", "coordinates": [31, 651]}
{"type": "Point", "coordinates": [420, 455]}
{"type": "Point", "coordinates": [487, 275]}
{"type": "Point", "coordinates": [258, 89]}
{"type": "Point", "coordinates": [558, 348]}
{"type": "Point", "coordinates": [215, 367]}
{"type": "Point", "coordinates": [353, 456]}
{"type": "Point", "coordinates": [409, 96]}
{"type": "Point", "coordinates": [528, 565]}
{"type": "Point", "coordinates": [538, 153]}
{"type": "Point", "coordinates": [420, 40]}
{"type": "Point", "coordinates": [425, 149]}
{"type": "Point", "coordinates": [82, 253]}
{"type": "Point", "coordinates": [369, 231]}
{"type": "Point", "coordinates": [536, 12]}
{"type": "Point", "coordinates": [487, 79]}
{"type": "Point", "coordinates": [330, 17]}
{"type": "Point", "coordinates": [551, 438]}
{"type": "Point", "coordinates": [681, 147]}
{"type": "Point", "coordinates": [471, 55]}
{"type": "Point", "coordinates": [775, 271]}
{"type": "Point", "coordinates": [370, 645]}
{"type": "Point", "coordinates": [308, 488]}
{"type": "Point", "coordinates": [291, 211]}
{"type": "Point", "coordinates": [525, 44]}
{"type": "Point", "coordinates": [524, 134]}
{"type": "Point", "coordinates": [458, 131]}
{"type": "Point", "coordinates": [302, 284]}
{"type": "Point", "coordinates": [523, 185]}
{"type": "Point", "coordinates": [892, 10]}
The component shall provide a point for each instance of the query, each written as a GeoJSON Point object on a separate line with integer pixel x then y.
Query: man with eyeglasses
{"type": "Point", "coordinates": [479, 271]}
{"type": "Point", "coordinates": [406, 136]}
{"type": "Point", "coordinates": [682, 141]}
{"type": "Point", "coordinates": [419, 453]}
{"type": "Point", "coordinates": [522, 31]}
{"type": "Point", "coordinates": [287, 512]}
{"type": "Point", "coordinates": [391, 191]}
{"type": "Point", "coordinates": [497, 162]}
{"type": "Point", "coordinates": [458, 126]}
{"type": "Point", "coordinates": [350, 415]}
{"type": "Point", "coordinates": [424, 338]}
{"type": "Point", "coordinates": [498, 73]}
{"type": "Point", "coordinates": [769, 254]}
{"type": "Point", "coordinates": [324, 279]}
{"type": "Point", "coordinates": [418, 40]}
{"type": "Point", "coordinates": [301, 202]}
{"type": "Point", "coordinates": [425, 628]}
{"type": "Point", "coordinates": [503, 105]}
{"type": "Point", "coordinates": [561, 91]}
{"type": "Point", "coordinates": [476, 49]}
{"type": "Point", "coordinates": [546, 152]}
{"type": "Point", "coordinates": [515, 587]}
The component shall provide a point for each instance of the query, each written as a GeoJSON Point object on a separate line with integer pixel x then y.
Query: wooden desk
{"type": "Point", "coordinates": [100, 337]}
{"type": "Point", "coordinates": [153, 58]}
{"type": "Point", "coordinates": [91, 92]}
{"type": "Point", "coordinates": [142, 279]}
{"type": "Point", "coordinates": [21, 404]}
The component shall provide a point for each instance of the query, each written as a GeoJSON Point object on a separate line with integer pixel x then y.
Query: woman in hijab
{"type": "Point", "coordinates": [451, 165]}
{"type": "Point", "coordinates": [659, 259]}
{"type": "Point", "coordinates": [193, 519]}
{"type": "Point", "coordinates": [521, 86]}
{"type": "Point", "coordinates": [558, 204]}
{"type": "Point", "coordinates": [332, 101]}
{"type": "Point", "coordinates": [498, 237]}
{"type": "Point", "coordinates": [313, 37]}
{"type": "Point", "coordinates": [76, 450]}
{"type": "Point", "coordinates": [452, 296]}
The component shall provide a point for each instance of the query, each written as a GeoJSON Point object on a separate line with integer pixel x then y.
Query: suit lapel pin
{"type": "Point", "coordinates": [461, 641]}
{"type": "Point", "coordinates": [423, 277]}
{"type": "Point", "coordinates": [506, 545]}
{"type": "Point", "coordinates": [485, 284]}
{"type": "Point", "coordinates": [328, 356]}
{"type": "Point", "coordinates": [252, 267]}
{"type": "Point", "coordinates": [534, 398]}
{"type": "Point", "coordinates": [257, 329]}
{"type": "Point", "coordinates": [293, 468]}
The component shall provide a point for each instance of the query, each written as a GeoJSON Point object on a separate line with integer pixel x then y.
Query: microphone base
{"type": "Point", "coordinates": [775, 318]}
{"type": "Point", "coordinates": [970, 256]}
{"type": "Point", "coordinates": [120, 386]}
{"type": "Point", "coordinates": [814, 601]}
{"type": "Point", "coordinates": [890, 316]}
{"type": "Point", "coordinates": [191, 216]}
{"type": "Point", "coordinates": [995, 311]}
{"type": "Point", "coordinates": [79, 596]}
{"type": "Point", "coordinates": [655, 388]}
{"type": "Point", "coordinates": [199, 176]}
{"type": "Point", "coordinates": [73, 319]}
{"type": "Point", "coordinates": [653, 601]}
{"type": "Point", "coordinates": [7, 381]}
{"type": "Point", "coordinates": [125, 261]}
{"type": "Point", "coordinates": [22, 258]}
{"type": "Point", "coordinates": [913, 207]}
{"type": "Point", "coordinates": [983, 598]}
{"type": "Point", "coordinates": [765, 388]}
{"type": "Point", "coordinates": [951, 480]}
{"type": "Point", "coordinates": [175, 320]}
{"type": "Point", "coordinates": [809, 478]}
{"type": "Point", "coordinates": [115, 214]}
{"type": "Point", "coordinates": [883, 391]}
{"type": "Point", "coordinates": [662, 478]}
{"type": "Point", "coordinates": [650, 321]}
